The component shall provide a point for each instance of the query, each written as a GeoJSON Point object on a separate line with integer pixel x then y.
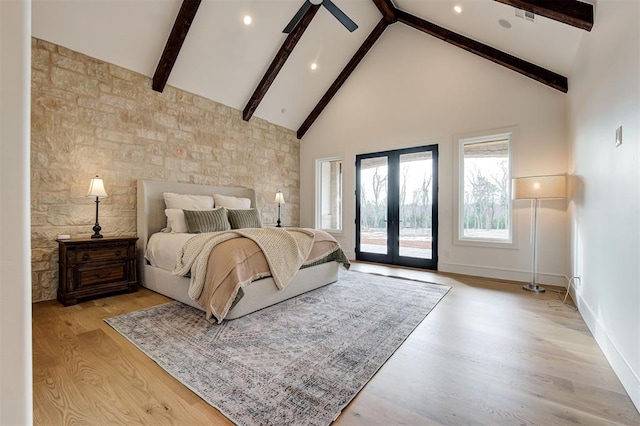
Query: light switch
{"type": "Point", "coordinates": [618, 136]}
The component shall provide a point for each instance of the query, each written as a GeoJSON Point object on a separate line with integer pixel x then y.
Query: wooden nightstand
{"type": "Point", "coordinates": [92, 267]}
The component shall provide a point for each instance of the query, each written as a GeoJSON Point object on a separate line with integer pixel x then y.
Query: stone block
{"type": "Point", "coordinates": [114, 135]}
{"type": "Point", "coordinates": [74, 82]}
{"type": "Point", "coordinates": [98, 70]}
{"type": "Point", "coordinates": [132, 153]}
{"type": "Point", "coordinates": [124, 88]}
{"type": "Point", "coordinates": [117, 101]}
{"type": "Point", "coordinates": [69, 63]}
{"type": "Point", "coordinates": [165, 120]}
{"type": "Point", "coordinates": [137, 118]}
{"type": "Point", "coordinates": [151, 134]}
{"type": "Point", "coordinates": [40, 59]}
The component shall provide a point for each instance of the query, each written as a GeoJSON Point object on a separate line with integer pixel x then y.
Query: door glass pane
{"type": "Point", "coordinates": [416, 200]}
{"type": "Point", "coordinates": [373, 205]}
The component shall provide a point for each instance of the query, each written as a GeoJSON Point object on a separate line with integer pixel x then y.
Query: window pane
{"type": "Point", "coordinates": [416, 203]}
{"type": "Point", "coordinates": [485, 209]}
{"type": "Point", "coordinates": [373, 205]}
{"type": "Point", "coordinates": [330, 203]}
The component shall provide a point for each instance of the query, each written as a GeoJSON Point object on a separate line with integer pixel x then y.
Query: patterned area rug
{"type": "Point", "coordinates": [299, 362]}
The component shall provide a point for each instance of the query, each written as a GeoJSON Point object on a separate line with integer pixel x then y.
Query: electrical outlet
{"type": "Point", "coordinates": [618, 136]}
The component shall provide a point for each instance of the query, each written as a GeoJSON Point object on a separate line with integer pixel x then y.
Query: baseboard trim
{"type": "Point", "coordinates": [502, 273]}
{"type": "Point", "coordinates": [629, 378]}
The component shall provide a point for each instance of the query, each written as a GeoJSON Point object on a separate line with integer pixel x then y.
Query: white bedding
{"type": "Point", "coordinates": [151, 219]}
{"type": "Point", "coordinates": [162, 249]}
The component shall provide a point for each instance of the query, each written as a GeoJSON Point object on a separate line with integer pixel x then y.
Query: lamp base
{"type": "Point", "coordinates": [96, 231]}
{"type": "Point", "coordinates": [534, 288]}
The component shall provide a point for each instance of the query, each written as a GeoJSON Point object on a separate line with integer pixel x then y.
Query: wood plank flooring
{"type": "Point", "coordinates": [488, 354]}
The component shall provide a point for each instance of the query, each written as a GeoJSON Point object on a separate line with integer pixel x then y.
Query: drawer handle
{"type": "Point", "coordinates": [86, 256]}
{"type": "Point", "coordinates": [99, 275]}
{"type": "Point", "coordinates": [118, 252]}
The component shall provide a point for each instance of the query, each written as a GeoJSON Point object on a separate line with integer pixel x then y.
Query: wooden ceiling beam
{"type": "Point", "coordinates": [174, 43]}
{"type": "Point", "coordinates": [343, 76]}
{"type": "Point", "coordinates": [571, 12]}
{"type": "Point", "coordinates": [387, 9]}
{"type": "Point", "coordinates": [278, 62]}
{"type": "Point", "coordinates": [521, 66]}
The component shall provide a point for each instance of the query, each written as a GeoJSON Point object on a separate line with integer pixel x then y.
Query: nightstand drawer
{"type": "Point", "coordinates": [91, 267]}
{"type": "Point", "coordinates": [101, 254]}
{"type": "Point", "coordinates": [106, 274]}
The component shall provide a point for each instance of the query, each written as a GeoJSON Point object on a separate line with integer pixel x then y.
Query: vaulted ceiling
{"type": "Point", "coordinates": [263, 72]}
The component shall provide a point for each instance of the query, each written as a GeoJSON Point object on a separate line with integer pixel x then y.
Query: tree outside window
{"type": "Point", "coordinates": [485, 212]}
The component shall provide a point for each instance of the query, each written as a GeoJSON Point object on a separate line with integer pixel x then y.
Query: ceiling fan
{"type": "Point", "coordinates": [328, 4]}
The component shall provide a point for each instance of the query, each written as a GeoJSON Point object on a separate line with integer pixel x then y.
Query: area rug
{"type": "Point", "coordinates": [299, 362]}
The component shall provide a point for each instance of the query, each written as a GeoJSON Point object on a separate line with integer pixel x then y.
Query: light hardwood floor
{"type": "Point", "coordinates": [488, 354]}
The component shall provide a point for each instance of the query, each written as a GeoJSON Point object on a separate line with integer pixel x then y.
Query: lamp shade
{"type": "Point", "coordinates": [96, 188]}
{"type": "Point", "coordinates": [539, 187]}
{"type": "Point", "coordinates": [279, 198]}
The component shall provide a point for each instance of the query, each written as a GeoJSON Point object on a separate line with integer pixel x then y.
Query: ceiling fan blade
{"type": "Point", "coordinates": [297, 17]}
{"type": "Point", "coordinates": [340, 15]}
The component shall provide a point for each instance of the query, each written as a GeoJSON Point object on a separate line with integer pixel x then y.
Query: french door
{"type": "Point", "coordinates": [397, 207]}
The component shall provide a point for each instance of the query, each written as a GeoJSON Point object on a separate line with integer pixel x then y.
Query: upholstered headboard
{"type": "Point", "coordinates": [151, 217]}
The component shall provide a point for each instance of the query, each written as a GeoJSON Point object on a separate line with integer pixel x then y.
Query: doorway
{"type": "Point", "coordinates": [397, 207]}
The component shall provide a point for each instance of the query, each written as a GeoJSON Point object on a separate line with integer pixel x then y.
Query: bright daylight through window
{"type": "Point", "coordinates": [485, 171]}
{"type": "Point", "coordinates": [329, 202]}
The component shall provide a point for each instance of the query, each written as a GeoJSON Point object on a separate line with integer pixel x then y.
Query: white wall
{"type": "Point", "coordinates": [412, 89]}
{"type": "Point", "coordinates": [15, 254]}
{"type": "Point", "coordinates": [604, 209]}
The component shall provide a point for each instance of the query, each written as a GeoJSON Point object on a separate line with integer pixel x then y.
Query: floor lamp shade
{"type": "Point", "coordinates": [537, 188]}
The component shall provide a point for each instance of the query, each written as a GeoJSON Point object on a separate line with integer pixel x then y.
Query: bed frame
{"type": "Point", "coordinates": [259, 294]}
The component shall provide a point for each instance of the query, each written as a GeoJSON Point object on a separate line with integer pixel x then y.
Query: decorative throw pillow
{"type": "Point", "coordinates": [244, 218]}
{"type": "Point", "coordinates": [187, 202]}
{"type": "Point", "coordinates": [175, 220]}
{"type": "Point", "coordinates": [231, 202]}
{"type": "Point", "coordinates": [200, 221]}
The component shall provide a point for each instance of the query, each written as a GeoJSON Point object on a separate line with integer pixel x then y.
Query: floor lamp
{"type": "Point", "coordinates": [536, 188]}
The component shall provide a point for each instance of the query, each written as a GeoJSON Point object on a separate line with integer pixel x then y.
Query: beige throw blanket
{"type": "Point", "coordinates": [285, 252]}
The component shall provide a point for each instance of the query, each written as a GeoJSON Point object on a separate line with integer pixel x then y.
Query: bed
{"type": "Point", "coordinates": [259, 294]}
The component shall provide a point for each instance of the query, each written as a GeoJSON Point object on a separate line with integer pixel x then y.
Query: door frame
{"type": "Point", "coordinates": [393, 207]}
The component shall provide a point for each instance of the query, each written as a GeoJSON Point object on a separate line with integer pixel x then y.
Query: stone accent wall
{"type": "Point", "coordinates": [92, 118]}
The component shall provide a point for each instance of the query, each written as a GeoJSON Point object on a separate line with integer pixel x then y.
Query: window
{"type": "Point", "coordinates": [484, 211]}
{"type": "Point", "coordinates": [329, 190]}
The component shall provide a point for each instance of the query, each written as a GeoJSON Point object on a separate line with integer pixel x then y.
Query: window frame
{"type": "Point", "coordinates": [318, 204]}
{"type": "Point", "coordinates": [509, 134]}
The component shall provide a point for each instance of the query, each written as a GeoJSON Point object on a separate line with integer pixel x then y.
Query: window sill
{"type": "Point", "coordinates": [508, 245]}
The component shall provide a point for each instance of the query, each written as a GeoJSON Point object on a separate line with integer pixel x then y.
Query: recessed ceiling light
{"type": "Point", "coordinates": [247, 20]}
{"type": "Point", "coordinates": [314, 66]}
{"type": "Point", "coordinates": [504, 23]}
{"type": "Point", "coordinates": [457, 8]}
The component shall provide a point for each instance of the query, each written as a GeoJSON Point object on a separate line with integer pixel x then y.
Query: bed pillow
{"type": "Point", "coordinates": [175, 221]}
{"type": "Point", "coordinates": [200, 221]}
{"type": "Point", "coordinates": [244, 218]}
{"type": "Point", "coordinates": [231, 202]}
{"type": "Point", "coordinates": [187, 202]}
